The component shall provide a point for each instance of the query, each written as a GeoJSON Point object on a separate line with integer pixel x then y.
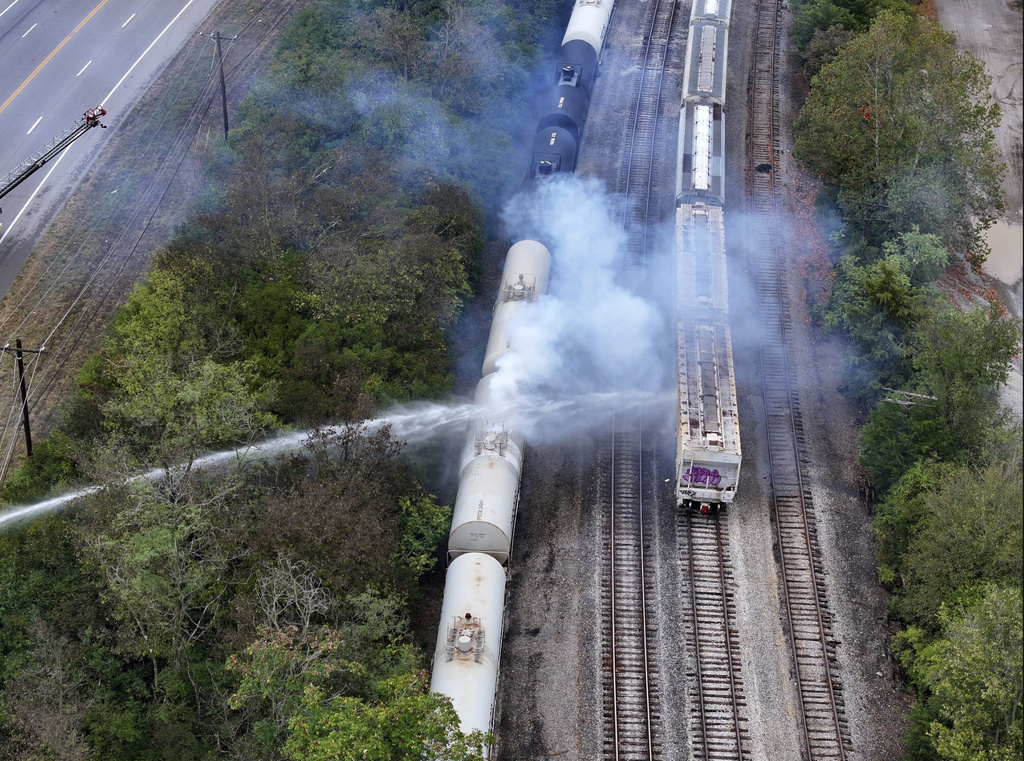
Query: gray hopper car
{"type": "Point", "coordinates": [708, 452]}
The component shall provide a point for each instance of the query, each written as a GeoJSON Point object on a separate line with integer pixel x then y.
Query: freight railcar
{"type": "Point", "coordinates": [711, 10]}
{"type": "Point", "coordinates": [557, 141]}
{"type": "Point", "coordinates": [468, 648]}
{"type": "Point", "coordinates": [700, 174]}
{"type": "Point", "coordinates": [492, 459]}
{"type": "Point", "coordinates": [468, 645]}
{"type": "Point", "coordinates": [708, 454]}
{"type": "Point", "coordinates": [492, 464]}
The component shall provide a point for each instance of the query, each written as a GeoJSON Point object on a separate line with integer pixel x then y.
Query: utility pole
{"type": "Point", "coordinates": [223, 87]}
{"type": "Point", "coordinates": [18, 352]}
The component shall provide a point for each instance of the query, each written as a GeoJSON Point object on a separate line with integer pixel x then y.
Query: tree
{"type": "Point", "coordinates": [903, 507]}
{"type": "Point", "coordinates": [962, 357]}
{"type": "Point", "coordinates": [975, 673]}
{"type": "Point", "coordinates": [160, 551]}
{"type": "Point", "coordinates": [923, 253]}
{"type": "Point", "coordinates": [169, 394]}
{"type": "Point", "coordinates": [397, 37]}
{"type": "Point", "coordinates": [814, 16]}
{"type": "Point", "coordinates": [971, 532]}
{"type": "Point", "coordinates": [406, 722]}
{"type": "Point", "coordinates": [52, 464]}
{"type": "Point", "coordinates": [48, 699]}
{"type": "Point", "coordinates": [424, 525]}
{"type": "Point", "coordinates": [896, 438]}
{"type": "Point", "coordinates": [901, 108]}
{"type": "Point", "coordinates": [289, 677]}
{"type": "Point", "coordinates": [876, 305]}
{"type": "Point", "coordinates": [823, 48]}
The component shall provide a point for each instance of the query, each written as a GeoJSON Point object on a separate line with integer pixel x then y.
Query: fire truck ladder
{"type": "Point", "coordinates": [71, 133]}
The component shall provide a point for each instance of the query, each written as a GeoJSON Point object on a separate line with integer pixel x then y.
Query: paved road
{"type": "Point", "coordinates": [57, 59]}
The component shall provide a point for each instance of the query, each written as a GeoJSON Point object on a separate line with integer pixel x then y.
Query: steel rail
{"type": "Point", "coordinates": [718, 698]}
{"type": "Point", "coordinates": [818, 692]}
{"type": "Point", "coordinates": [631, 677]}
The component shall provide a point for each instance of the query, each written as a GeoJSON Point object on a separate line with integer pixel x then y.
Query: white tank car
{"type": "Point", "coordinates": [527, 269]}
{"type": "Point", "coordinates": [485, 507]}
{"type": "Point", "coordinates": [469, 638]}
{"type": "Point", "coordinates": [589, 23]}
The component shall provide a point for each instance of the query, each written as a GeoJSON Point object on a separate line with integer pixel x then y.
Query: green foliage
{"type": "Point", "coordinates": [947, 529]}
{"type": "Point", "coordinates": [823, 47]}
{"type": "Point", "coordinates": [962, 357]}
{"type": "Point", "coordinates": [166, 393]}
{"type": "Point", "coordinates": [40, 580]}
{"type": "Point", "coordinates": [816, 16]}
{"type": "Point", "coordinates": [876, 305]}
{"type": "Point", "coordinates": [903, 339]}
{"type": "Point", "coordinates": [975, 672]}
{"type": "Point", "coordinates": [46, 698]}
{"type": "Point", "coordinates": [897, 438]}
{"type": "Point", "coordinates": [275, 670]}
{"type": "Point", "coordinates": [813, 17]}
{"type": "Point", "coordinates": [354, 658]}
{"type": "Point", "coordinates": [407, 722]}
{"type": "Point", "coordinates": [902, 122]}
{"type": "Point", "coordinates": [52, 464]}
{"type": "Point", "coordinates": [923, 254]}
{"type": "Point", "coordinates": [905, 505]}
{"type": "Point", "coordinates": [60, 682]}
{"type": "Point", "coordinates": [974, 677]}
{"type": "Point", "coordinates": [972, 533]}
{"type": "Point", "coordinates": [952, 540]}
{"type": "Point", "coordinates": [424, 525]}
{"type": "Point", "coordinates": [158, 550]}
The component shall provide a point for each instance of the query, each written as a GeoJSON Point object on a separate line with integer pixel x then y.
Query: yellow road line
{"type": "Point", "coordinates": [50, 57]}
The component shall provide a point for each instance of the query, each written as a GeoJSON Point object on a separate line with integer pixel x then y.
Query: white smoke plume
{"type": "Point", "coordinates": [590, 337]}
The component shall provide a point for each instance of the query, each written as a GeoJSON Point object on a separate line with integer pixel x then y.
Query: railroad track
{"type": "Point", "coordinates": [631, 694]}
{"type": "Point", "coordinates": [717, 721]}
{"type": "Point", "coordinates": [638, 181]}
{"type": "Point", "coordinates": [819, 691]}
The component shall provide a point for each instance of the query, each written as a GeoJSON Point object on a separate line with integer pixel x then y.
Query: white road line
{"type": "Point", "coordinates": [102, 102]}
{"type": "Point", "coordinates": [8, 228]}
{"type": "Point", "coordinates": [29, 30]}
{"type": "Point", "coordinates": [83, 69]}
{"type": "Point", "coordinates": [8, 7]}
{"type": "Point", "coordinates": [126, 22]}
{"type": "Point", "coordinates": [34, 126]}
